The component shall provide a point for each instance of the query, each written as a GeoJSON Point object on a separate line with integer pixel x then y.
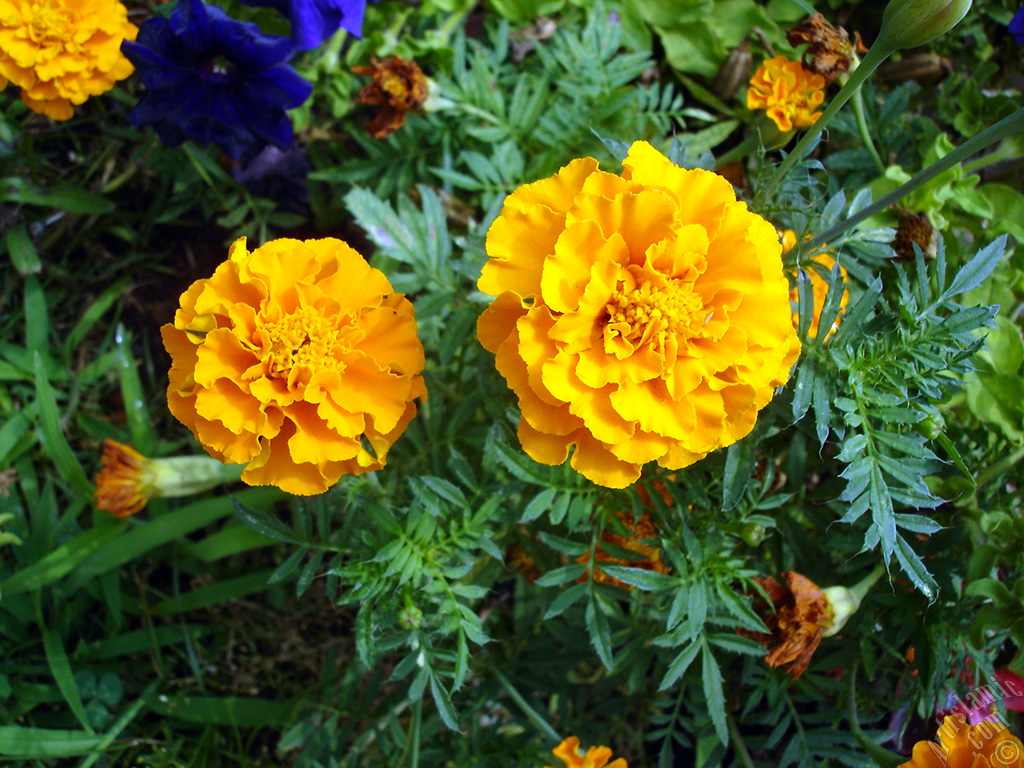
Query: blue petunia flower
{"type": "Point", "coordinates": [313, 21]}
{"type": "Point", "coordinates": [1017, 26]}
{"type": "Point", "coordinates": [214, 79]}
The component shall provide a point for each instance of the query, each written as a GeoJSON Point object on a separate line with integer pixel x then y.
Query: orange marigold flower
{"type": "Point", "coordinates": [398, 86]}
{"type": "Point", "coordinates": [638, 533]}
{"type": "Point", "coordinates": [297, 359]}
{"type": "Point", "coordinates": [61, 52]}
{"type": "Point", "coordinates": [818, 285]}
{"type": "Point", "coordinates": [596, 757]}
{"type": "Point", "coordinates": [985, 745]}
{"type": "Point", "coordinates": [787, 92]}
{"type": "Point", "coordinates": [642, 317]}
{"type": "Point", "coordinates": [128, 480]}
{"type": "Point", "coordinates": [797, 618]}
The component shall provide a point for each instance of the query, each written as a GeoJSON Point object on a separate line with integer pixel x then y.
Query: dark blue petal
{"type": "Point", "coordinates": [211, 78]}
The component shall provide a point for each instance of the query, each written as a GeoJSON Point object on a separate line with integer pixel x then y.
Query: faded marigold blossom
{"type": "Point", "coordinates": [128, 480]}
{"type": "Point", "coordinates": [61, 52]}
{"type": "Point", "coordinates": [819, 286]}
{"type": "Point", "coordinates": [984, 745]}
{"type": "Point", "coordinates": [297, 359]}
{"type": "Point", "coordinates": [642, 317]}
{"type": "Point", "coordinates": [796, 619]}
{"type": "Point", "coordinates": [639, 534]}
{"type": "Point", "coordinates": [596, 757]}
{"type": "Point", "coordinates": [398, 86]}
{"type": "Point", "coordinates": [787, 92]}
{"type": "Point", "coordinates": [830, 51]}
{"type": "Point", "coordinates": [915, 228]}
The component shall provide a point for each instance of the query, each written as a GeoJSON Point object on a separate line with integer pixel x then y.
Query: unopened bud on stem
{"type": "Point", "coordinates": [910, 23]}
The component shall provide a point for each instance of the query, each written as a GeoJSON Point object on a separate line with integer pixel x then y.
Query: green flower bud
{"type": "Point", "coordinates": [931, 426]}
{"type": "Point", "coordinates": [844, 604]}
{"type": "Point", "coordinates": [910, 23]}
{"type": "Point", "coordinates": [410, 617]}
{"type": "Point", "coordinates": [753, 533]}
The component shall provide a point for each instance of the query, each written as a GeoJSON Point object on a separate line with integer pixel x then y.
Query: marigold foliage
{"type": "Point", "coordinates": [297, 359]}
{"type": "Point", "coordinates": [596, 757]}
{"type": "Point", "coordinates": [819, 286]}
{"type": "Point", "coordinates": [787, 92]}
{"type": "Point", "coordinates": [61, 52]}
{"type": "Point", "coordinates": [642, 317]}
{"type": "Point", "coordinates": [985, 745]}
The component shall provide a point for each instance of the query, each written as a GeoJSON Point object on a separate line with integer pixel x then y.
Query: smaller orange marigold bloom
{"type": "Point", "coordinates": [398, 86]}
{"type": "Point", "coordinates": [796, 619]}
{"type": "Point", "coordinates": [985, 745]}
{"type": "Point", "coordinates": [128, 480]}
{"type": "Point", "coordinates": [787, 92]}
{"type": "Point", "coordinates": [297, 359]}
{"type": "Point", "coordinates": [820, 287]}
{"type": "Point", "coordinates": [61, 52]}
{"type": "Point", "coordinates": [596, 757]}
{"type": "Point", "coordinates": [639, 533]}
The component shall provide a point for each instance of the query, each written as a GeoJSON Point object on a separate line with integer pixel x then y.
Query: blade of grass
{"type": "Point", "coordinates": [60, 668]}
{"type": "Point", "coordinates": [54, 443]}
{"type": "Point", "coordinates": [140, 423]}
{"type": "Point", "coordinates": [45, 743]}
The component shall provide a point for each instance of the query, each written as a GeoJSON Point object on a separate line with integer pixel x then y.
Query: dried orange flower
{"type": "Point", "coordinates": [820, 287]}
{"type": "Point", "coordinates": [985, 745]}
{"type": "Point", "coordinates": [638, 534]}
{"type": "Point", "coordinates": [61, 52]}
{"type": "Point", "coordinates": [596, 757]}
{"type": "Point", "coordinates": [642, 317]}
{"type": "Point", "coordinates": [830, 51]}
{"type": "Point", "coordinates": [796, 619]}
{"type": "Point", "coordinates": [787, 92]}
{"type": "Point", "coordinates": [398, 86]}
{"type": "Point", "coordinates": [297, 359]}
{"type": "Point", "coordinates": [915, 228]}
{"type": "Point", "coordinates": [128, 480]}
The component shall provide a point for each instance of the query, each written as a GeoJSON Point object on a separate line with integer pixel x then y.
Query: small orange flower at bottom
{"type": "Point", "coordinates": [596, 757]}
{"type": "Point", "coordinates": [398, 86]}
{"type": "Point", "coordinates": [128, 480]}
{"type": "Point", "coordinates": [985, 745]}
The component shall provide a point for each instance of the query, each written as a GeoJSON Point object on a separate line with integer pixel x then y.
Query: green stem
{"type": "Point", "coordinates": [1005, 127]}
{"type": "Point", "coordinates": [880, 755]}
{"type": "Point", "coordinates": [737, 741]}
{"type": "Point", "coordinates": [860, 589]}
{"type": "Point", "coordinates": [998, 468]}
{"type": "Point", "coordinates": [874, 57]}
{"type": "Point", "coordinates": [865, 133]}
{"type": "Point", "coordinates": [530, 712]}
{"type": "Point", "coordinates": [742, 149]}
{"type": "Point", "coordinates": [417, 718]}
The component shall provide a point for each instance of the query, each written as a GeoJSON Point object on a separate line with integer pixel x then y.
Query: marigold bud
{"type": "Point", "coordinates": [910, 23]}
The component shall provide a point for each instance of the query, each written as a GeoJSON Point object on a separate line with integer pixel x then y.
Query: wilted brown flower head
{"type": "Point", "coordinates": [398, 86]}
{"type": "Point", "coordinates": [798, 614]}
{"type": "Point", "coordinates": [830, 52]}
{"type": "Point", "coordinates": [914, 228]}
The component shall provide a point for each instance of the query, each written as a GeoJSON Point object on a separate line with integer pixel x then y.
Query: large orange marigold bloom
{"type": "Point", "coordinates": [61, 52]}
{"type": "Point", "coordinates": [642, 317]}
{"type": "Point", "coordinates": [788, 93]}
{"type": "Point", "coordinates": [985, 745]}
{"type": "Point", "coordinates": [297, 359]}
{"type": "Point", "coordinates": [596, 757]}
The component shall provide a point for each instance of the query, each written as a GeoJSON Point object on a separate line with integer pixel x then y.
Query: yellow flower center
{"type": "Point", "coordinates": [52, 23]}
{"type": "Point", "coordinates": [652, 313]}
{"type": "Point", "coordinates": [304, 338]}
